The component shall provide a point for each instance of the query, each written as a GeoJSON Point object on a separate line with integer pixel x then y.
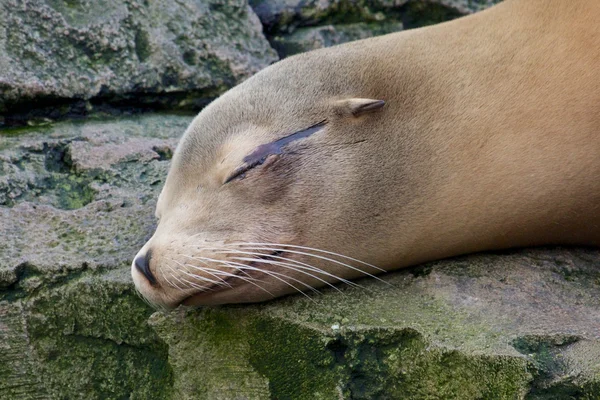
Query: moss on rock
{"type": "Point", "coordinates": [71, 324]}
{"type": "Point", "coordinates": [89, 338]}
{"type": "Point", "coordinates": [451, 333]}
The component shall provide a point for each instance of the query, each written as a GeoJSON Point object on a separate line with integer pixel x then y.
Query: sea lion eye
{"type": "Point", "coordinates": [240, 172]}
{"type": "Point", "coordinates": [260, 154]}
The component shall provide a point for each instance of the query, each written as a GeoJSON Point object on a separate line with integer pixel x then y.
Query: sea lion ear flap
{"type": "Point", "coordinates": [357, 106]}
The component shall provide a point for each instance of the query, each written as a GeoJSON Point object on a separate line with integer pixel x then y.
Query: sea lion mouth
{"type": "Point", "coordinates": [233, 281]}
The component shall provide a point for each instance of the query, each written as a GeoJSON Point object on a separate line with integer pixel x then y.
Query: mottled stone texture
{"type": "Point", "coordinates": [76, 203]}
{"type": "Point", "coordinates": [517, 325]}
{"type": "Point", "coordinates": [329, 22]}
{"type": "Point", "coordinates": [57, 53]}
{"type": "Point", "coordinates": [311, 38]}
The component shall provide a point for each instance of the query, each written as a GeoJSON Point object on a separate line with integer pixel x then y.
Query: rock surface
{"type": "Point", "coordinates": [77, 202]}
{"type": "Point", "coordinates": [498, 326]}
{"type": "Point", "coordinates": [294, 26]}
{"type": "Point", "coordinates": [287, 15]}
{"type": "Point", "coordinates": [311, 38]}
{"type": "Point", "coordinates": [67, 57]}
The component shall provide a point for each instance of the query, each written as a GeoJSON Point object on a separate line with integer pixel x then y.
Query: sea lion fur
{"type": "Point", "coordinates": [477, 134]}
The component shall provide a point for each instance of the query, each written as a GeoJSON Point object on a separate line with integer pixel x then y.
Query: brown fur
{"type": "Point", "coordinates": [489, 138]}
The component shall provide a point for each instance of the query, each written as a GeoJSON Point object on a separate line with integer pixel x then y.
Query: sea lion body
{"type": "Point", "coordinates": [489, 138]}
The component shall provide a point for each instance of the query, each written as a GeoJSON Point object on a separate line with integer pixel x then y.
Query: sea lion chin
{"type": "Point", "coordinates": [477, 134]}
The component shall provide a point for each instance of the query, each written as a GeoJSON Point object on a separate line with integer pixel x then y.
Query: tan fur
{"type": "Point", "coordinates": [489, 138]}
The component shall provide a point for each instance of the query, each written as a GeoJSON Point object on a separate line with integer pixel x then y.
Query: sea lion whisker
{"type": "Point", "coordinates": [289, 266]}
{"type": "Point", "coordinates": [162, 273]}
{"type": "Point", "coordinates": [270, 273]}
{"type": "Point", "coordinates": [240, 267]}
{"type": "Point", "coordinates": [184, 266]}
{"type": "Point", "coordinates": [167, 280]}
{"type": "Point", "coordinates": [173, 272]}
{"type": "Point", "coordinates": [227, 274]}
{"type": "Point", "coordinates": [217, 271]}
{"type": "Point", "coordinates": [326, 259]}
{"type": "Point", "coordinates": [175, 277]}
{"type": "Point", "coordinates": [245, 273]}
{"type": "Point", "coordinates": [232, 275]}
{"type": "Point", "coordinates": [154, 304]}
{"type": "Point", "coordinates": [271, 256]}
{"type": "Point", "coordinates": [309, 248]}
{"type": "Point", "coordinates": [151, 303]}
{"type": "Point", "coordinates": [179, 284]}
{"type": "Point", "coordinates": [298, 264]}
{"type": "Point", "coordinates": [194, 285]}
{"type": "Point", "coordinates": [147, 301]}
{"type": "Point", "coordinates": [251, 281]}
{"type": "Point", "coordinates": [207, 270]}
{"type": "Point", "coordinates": [308, 266]}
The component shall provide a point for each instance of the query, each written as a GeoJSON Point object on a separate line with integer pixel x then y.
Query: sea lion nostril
{"type": "Point", "coordinates": [142, 263]}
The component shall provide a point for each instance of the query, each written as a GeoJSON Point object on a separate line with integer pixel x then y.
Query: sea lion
{"type": "Point", "coordinates": [477, 134]}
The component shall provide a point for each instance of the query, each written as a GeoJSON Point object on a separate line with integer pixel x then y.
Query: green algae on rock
{"type": "Point", "coordinates": [71, 323]}
{"type": "Point", "coordinates": [516, 330]}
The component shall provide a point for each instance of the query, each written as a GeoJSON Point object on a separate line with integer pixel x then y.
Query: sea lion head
{"type": "Point", "coordinates": [271, 189]}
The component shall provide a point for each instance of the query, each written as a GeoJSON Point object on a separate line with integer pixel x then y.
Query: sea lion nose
{"type": "Point", "coordinates": [142, 264]}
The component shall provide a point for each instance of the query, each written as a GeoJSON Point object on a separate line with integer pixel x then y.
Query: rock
{"type": "Point", "coordinates": [311, 38]}
{"type": "Point", "coordinates": [68, 188]}
{"type": "Point", "coordinates": [518, 325]}
{"type": "Point", "coordinates": [64, 58]}
{"type": "Point", "coordinates": [287, 15]}
{"type": "Point", "coordinates": [77, 203]}
{"type": "Point", "coordinates": [297, 26]}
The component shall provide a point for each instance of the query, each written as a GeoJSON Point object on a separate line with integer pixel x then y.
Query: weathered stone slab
{"type": "Point", "coordinates": [56, 55]}
{"type": "Point", "coordinates": [297, 26]}
{"type": "Point", "coordinates": [523, 324]}
{"type": "Point", "coordinates": [76, 201]}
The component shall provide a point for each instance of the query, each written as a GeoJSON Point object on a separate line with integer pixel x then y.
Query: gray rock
{"type": "Point", "coordinates": [466, 6]}
{"type": "Point", "coordinates": [66, 190]}
{"type": "Point", "coordinates": [287, 15]}
{"type": "Point", "coordinates": [305, 39]}
{"type": "Point", "coordinates": [131, 52]}
{"type": "Point", "coordinates": [518, 325]}
{"type": "Point", "coordinates": [78, 201]}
